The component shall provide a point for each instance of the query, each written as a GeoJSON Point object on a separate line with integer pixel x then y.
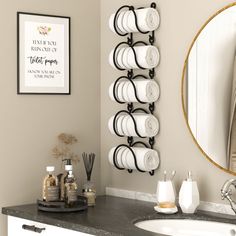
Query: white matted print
{"type": "Point", "coordinates": [43, 54]}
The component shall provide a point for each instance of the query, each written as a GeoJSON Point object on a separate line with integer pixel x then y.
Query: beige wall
{"type": "Point", "coordinates": [180, 21]}
{"type": "Point", "coordinates": [29, 124]}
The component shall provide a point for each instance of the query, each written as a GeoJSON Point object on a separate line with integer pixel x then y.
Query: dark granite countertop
{"type": "Point", "coordinates": [112, 216]}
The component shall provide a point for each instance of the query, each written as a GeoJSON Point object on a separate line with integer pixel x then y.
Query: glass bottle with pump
{"type": "Point", "coordinates": [70, 190]}
{"type": "Point", "coordinates": [50, 186]}
{"type": "Point", "coordinates": [62, 178]}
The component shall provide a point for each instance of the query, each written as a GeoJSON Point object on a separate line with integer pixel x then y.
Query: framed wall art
{"type": "Point", "coordinates": [43, 54]}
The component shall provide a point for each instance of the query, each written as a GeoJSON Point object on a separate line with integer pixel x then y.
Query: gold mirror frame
{"type": "Point", "coordinates": [183, 88]}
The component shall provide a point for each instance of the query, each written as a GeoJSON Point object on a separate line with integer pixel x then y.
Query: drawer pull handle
{"type": "Point", "coordinates": [33, 228]}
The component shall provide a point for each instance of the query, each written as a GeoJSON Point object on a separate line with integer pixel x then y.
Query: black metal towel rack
{"type": "Point", "coordinates": [130, 77]}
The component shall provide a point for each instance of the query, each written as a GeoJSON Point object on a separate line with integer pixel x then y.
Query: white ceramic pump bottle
{"type": "Point", "coordinates": [189, 195]}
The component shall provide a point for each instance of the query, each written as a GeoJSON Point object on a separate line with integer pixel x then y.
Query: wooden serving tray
{"type": "Point", "coordinates": [60, 206]}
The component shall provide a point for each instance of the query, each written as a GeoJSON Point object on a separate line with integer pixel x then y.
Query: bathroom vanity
{"type": "Point", "coordinates": [22, 227]}
{"type": "Point", "coordinates": [112, 216]}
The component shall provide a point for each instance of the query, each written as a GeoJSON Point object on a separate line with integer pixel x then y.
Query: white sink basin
{"type": "Point", "coordinates": [184, 227]}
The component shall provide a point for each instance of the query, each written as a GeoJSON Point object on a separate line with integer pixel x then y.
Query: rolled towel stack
{"type": "Point", "coordinates": [147, 159]}
{"type": "Point", "coordinates": [147, 125]}
{"type": "Point", "coordinates": [148, 19]}
{"type": "Point", "coordinates": [147, 57]}
{"type": "Point", "coordinates": [147, 91]}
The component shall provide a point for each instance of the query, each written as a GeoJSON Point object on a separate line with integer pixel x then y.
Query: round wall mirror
{"type": "Point", "coordinates": [209, 89]}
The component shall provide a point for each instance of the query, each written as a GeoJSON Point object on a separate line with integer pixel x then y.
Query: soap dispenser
{"type": "Point", "coordinates": [189, 195]}
{"type": "Point", "coordinates": [62, 178]}
{"type": "Point", "coordinates": [70, 190]}
{"type": "Point", "coordinates": [50, 186]}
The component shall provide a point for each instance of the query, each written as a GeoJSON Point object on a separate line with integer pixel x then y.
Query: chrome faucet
{"type": "Point", "coordinates": [226, 192]}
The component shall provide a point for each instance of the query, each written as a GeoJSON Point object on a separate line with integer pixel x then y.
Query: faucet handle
{"type": "Point", "coordinates": [223, 196]}
{"type": "Point", "coordinates": [225, 193]}
{"type": "Point", "coordinates": [229, 192]}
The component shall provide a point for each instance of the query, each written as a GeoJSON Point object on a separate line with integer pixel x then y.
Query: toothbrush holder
{"type": "Point", "coordinates": [166, 194]}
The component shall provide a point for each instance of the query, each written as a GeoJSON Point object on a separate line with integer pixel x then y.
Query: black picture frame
{"type": "Point", "coordinates": [37, 72]}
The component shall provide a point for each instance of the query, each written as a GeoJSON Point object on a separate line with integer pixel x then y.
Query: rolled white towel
{"type": "Point", "coordinates": [148, 19]}
{"type": "Point", "coordinates": [110, 91]}
{"type": "Point", "coordinates": [125, 91]}
{"type": "Point", "coordinates": [111, 22]}
{"type": "Point", "coordinates": [147, 125]}
{"type": "Point", "coordinates": [118, 124]}
{"type": "Point", "coordinates": [110, 125]}
{"type": "Point", "coordinates": [125, 59]}
{"type": "Point", "coordinates": [119, 155]}
{"type": "Point", "coordinates": [119, 91]}
{"type": "Point", "coordinates": [147, 159]}
{"type": "Point", "coordinates": [111, 62]}
{"type": "Point", "coordinates": [147, 57]}
{"type": "Point", "coordinates": [120, 58]}
{"type": "Point", "coordinates": [119, 22]}
{"type": "Point", "coordinates": [125, 22]}
{"type": "Point", "coordinates": [147, 90]}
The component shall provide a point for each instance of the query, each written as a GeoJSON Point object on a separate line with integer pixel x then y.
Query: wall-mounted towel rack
{"type": "Point", "coordinates": [130, 44]}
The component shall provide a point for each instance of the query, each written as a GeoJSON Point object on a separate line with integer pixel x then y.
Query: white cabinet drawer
{"type": "Point", "coordinates": [15, 229]}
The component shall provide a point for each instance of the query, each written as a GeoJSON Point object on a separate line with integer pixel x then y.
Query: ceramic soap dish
{"type": "Point", "coordinates": [166, 209]}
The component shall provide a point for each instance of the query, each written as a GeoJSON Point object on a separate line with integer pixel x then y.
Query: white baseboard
{"type": "Point", "coordinates": [148, 197]}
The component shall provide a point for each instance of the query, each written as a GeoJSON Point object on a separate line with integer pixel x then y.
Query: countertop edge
{"type": "Point", "coordinates": [112, 216]}
{"type": "Point", "coordinates": [58, 223]}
